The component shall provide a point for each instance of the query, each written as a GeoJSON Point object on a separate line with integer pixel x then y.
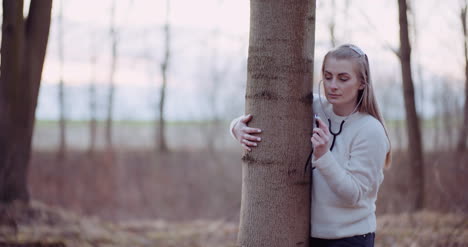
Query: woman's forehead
{"type": "Point", "coordinates": [339, 66]}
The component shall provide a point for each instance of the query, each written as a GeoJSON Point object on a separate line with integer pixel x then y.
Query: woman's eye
{"type": "Point", "coordinates": [343, 79]}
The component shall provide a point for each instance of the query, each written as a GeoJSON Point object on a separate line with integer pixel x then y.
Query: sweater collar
{"type": "Point", "coordinates": [339, 119]}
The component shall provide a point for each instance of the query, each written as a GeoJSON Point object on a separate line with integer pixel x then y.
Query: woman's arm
{"type": "Point", "coordinates": [364, 168]}
{"type": "Point", "coordinates": [244, 134]}
{"type": "Point", "coordinates": [233, 123]}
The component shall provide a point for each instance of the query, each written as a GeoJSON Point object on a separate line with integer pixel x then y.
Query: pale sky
{"type": "Point", "coordinates": [370, 24]}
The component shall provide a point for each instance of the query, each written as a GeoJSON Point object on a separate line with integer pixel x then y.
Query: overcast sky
{"type": "Point", "coordinates": [212, 35]}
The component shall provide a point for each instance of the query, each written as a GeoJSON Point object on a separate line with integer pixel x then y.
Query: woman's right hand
{"type": "Point", "coordinates": [244, 134]}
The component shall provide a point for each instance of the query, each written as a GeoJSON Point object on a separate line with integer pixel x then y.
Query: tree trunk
{"type": "Point", "coordinates": [110, 99]}
{"type": "Point", "coordinates": [461, 146]}
{"type": "Point", "coordinates": [162, 145]}
{"type": "Point", "coordinates": [92, 99]}
{"type": "Point", "coordinates": [275, 208]}
{"type": "Point", "coordinates": [23, 49]}
{"type": "Point", "coordinates": [215, 82]}
{"type": "Point", "coordinates": [413, 127]}
{"type": "Point", "coordinates": [61, 94]}
{"type": "Point", "coordinates": [332, 24]}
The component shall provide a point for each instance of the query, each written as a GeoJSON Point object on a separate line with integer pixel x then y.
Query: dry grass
{"type": "Point", "coordinates": [47, 225]}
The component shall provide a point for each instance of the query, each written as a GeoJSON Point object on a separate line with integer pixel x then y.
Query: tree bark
{"type": "Point", "coordinates": [23, 49]}
{"type": "Point", "coordinates": [461, 146]}
{"type": "Point", "coordinates": [275, 208]}
{"type": "Point", "coordinates": [413, 126]}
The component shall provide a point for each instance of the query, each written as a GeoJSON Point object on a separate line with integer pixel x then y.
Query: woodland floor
{"type": "Point", "coordinates": [41, 225]}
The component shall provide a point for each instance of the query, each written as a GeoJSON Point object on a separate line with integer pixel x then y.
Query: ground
{"type": "Point", "coordinates": [41, 225]}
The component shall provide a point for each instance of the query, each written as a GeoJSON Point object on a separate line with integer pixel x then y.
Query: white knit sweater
{"type": "Point", "coordinates": [346, 180]}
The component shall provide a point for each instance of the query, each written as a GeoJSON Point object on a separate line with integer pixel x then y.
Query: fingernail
{"type": "Point", "coordinates": [255, 144]}
{"type": "Point", "coordinates": [259, 139]}
{"type": "Point", "coordinates": [259, 131]}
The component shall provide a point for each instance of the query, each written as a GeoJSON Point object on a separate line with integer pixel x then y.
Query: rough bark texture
{"type": "Point", "coordinates": [275, 208]}
{"type": "Point", "coordinates": [23, 49]}
{"type": "Point", "coordinates": [461, 146]}
{"type": "Point", "coordinates": [413, 127]}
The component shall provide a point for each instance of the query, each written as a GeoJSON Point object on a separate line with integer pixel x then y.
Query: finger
{"type": "Point", "coordinates": [246, 118]}
{"type": "Point", "coordinates": [251, 130]}
{"type": "Point", "coordinates": [322, 125]}
{"type": "Point", "coordinates": [251, 137]}
{"type": "Point", "coordinates": [315, 141]}
{"type": "Point", "coordinates": [246, 148]}
{"type": "Point", "coordinates": [321, 133]}
{"type": "Point", "coordinates": [249, 143]}
{"type": "Point", "coordinates": [318, 139]}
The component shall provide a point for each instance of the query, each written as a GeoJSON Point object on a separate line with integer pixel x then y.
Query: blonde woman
{"type": "Point", "coordinates": [351, 148]}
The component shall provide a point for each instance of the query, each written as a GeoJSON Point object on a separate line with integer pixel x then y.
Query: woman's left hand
{"type": "Point", "coordinates": [320, 139]}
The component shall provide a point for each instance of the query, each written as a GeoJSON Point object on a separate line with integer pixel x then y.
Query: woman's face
{"type": "Point", "coordinates": [341, 84]}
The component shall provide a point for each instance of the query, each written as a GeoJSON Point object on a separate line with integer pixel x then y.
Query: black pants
{"type": "Point", "coordinates": [366, 240]}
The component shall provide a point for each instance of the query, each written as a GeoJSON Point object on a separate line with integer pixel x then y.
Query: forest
{"type": "Point", "coordinates": [115, 119]}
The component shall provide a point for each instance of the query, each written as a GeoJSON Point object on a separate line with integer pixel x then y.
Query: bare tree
{"type": "Point", "coordinates": [413, 126]}
{"type": "Point", "coordinates": [419, 81]}
{"type": "Point", "coordinates": [161, 137]}
{"type": "Point", "coordinates": [215, 81]}
{"type": "Point", "coordinates": [332, 24]}
{"type": "Point", "coordinates": [219, 66]}
{"type": "Point", "coordinates": [23, 48]}
{"type": "Point", "coordinates": [275, 208]}
{"type": "Point", "coordinates": [61, 92]}
{"type": "Point", "coordinates": [92, 98]}
{"type": "Point", "coordinates": [110, 100]}
{"type": "Point", "coordinates": [461, 146]}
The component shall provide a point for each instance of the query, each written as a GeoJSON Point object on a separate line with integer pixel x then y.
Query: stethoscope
{"type": "Point", "coordinates": [334, 134]}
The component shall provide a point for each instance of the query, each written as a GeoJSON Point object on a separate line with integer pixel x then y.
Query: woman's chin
{"type": "Point", "coordinates": [333, 100]}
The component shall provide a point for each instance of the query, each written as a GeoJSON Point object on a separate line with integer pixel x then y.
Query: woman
{"type": "Point", "coordinates": [350, 151]}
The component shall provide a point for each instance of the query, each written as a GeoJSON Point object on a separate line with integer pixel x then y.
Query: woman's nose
{"type": "Point", "coordinates": [333, 84]}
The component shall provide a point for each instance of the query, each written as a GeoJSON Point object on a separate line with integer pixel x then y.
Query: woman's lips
{"type": "Point", "coordinates": [333, 95]}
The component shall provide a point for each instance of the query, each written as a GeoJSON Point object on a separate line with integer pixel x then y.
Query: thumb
{"type": "Point", "coordinates": [246, 118]}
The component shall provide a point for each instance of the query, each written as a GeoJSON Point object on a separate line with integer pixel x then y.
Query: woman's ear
{"type": "Point", "coordinates": [362, 86]}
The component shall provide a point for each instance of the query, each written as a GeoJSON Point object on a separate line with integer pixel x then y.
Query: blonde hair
{"type": "Point", "coordinates": [368, 103]}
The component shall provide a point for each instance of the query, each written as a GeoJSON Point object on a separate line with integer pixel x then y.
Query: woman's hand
{"type": "Point", "coordinates": [320, 139]}
{"type": "Point", "coordinates": [243, 133]}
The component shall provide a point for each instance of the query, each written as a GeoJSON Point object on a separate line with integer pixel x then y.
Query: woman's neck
{"type": "Point", "coordinates": [344, 111]}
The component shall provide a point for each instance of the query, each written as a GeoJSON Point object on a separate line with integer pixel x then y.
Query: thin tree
{"type": "Point", "coordinates": [332, 24]}
{"type": "Point", "coordinates": [461, 146]}
{"type": "Point", "coordinates": [110, 99]}
{"type": "Point", "coordinates": [23, 48]}
{"type": "Point", "coordinates": [92, 98]}
{"type": "Point", "coordinates": [413, 127]}
{"type": "Point", "coordinates": [275, 208]}
{"type": "Point", "coordinates": [61, 92]}
{"type": "Point", "coordinates": [161, 136]}
{"type": "Point", "coordinates": [219, 68]}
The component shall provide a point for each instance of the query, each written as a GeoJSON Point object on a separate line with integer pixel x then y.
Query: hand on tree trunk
{"type": "Point", "coordinates": [245, 134]}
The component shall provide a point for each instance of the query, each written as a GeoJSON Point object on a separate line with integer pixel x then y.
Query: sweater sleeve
{"type": "Point", "coordinates": [363, 171]}
{"type": "Point", "coordinates": [231, 126]}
